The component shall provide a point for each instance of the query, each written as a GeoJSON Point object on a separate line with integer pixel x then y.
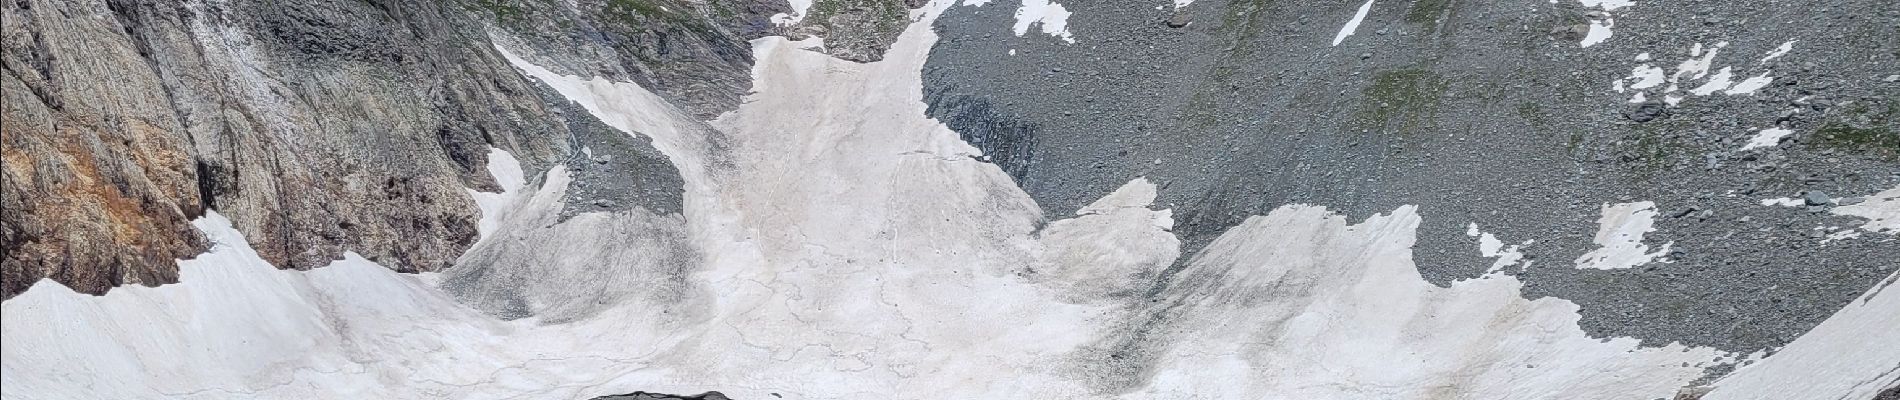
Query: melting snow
{"type": "Point", "coordinates": [1715, 83]}
{"type": "Point", "coordinates": [1840, 235]}
{"type": "Point", "coordinates": [1701, 61]}
{"type": "Point", "coordinates": [1602, 21]}
{"type": "Point", "coordinates": [1695, 68]}
{"type": "Point", "coordinates": [1490, 246]}
{"type": "Point", "coordinates": [1777, 53]}
{"type": "Point", "coordinates": [1599, 32]}
{"type": "Point", "coordinates": [1620, 237]}
{"type": "Point", "coordinates": [1783, 202]}
{"type": "Point", "coordinates": [798, 13]}
{"type": "Point", "coordinates": [1882, 211]}
{"type": "Point", "coordinates": [1053, 18]}
{"type": "Point", "coordinates": [507, 172]}
{"type": "Point", "coordinates": [1642, 77]}
{"type": "Point", "coordinates": [1607, 5]}
{"type": "Point", "coordinates": [1750, 85]}
{"type": "Point", "coordinates": [1767, 138]}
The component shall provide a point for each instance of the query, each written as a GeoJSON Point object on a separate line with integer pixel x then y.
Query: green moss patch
{"type": "Point", "coordinates": [644, 8]}
{"type": "Point", "coordinates": [1400, 101]}
{"type": "Point", "coordinates": [503, 10]}
{"type": "Point", "coordinates": [1427, 12]}
{"type": "Point", "coordinates": [1862, 129]}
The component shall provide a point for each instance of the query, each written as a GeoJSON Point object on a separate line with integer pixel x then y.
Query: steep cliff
{"type": "Point", "coordinates": [317, 126]}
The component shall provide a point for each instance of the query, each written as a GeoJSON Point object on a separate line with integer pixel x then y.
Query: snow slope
{"type": "Point", "coordinates": [843, 245]}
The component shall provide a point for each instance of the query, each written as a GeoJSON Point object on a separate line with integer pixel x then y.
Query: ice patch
{"type": "Point", "coordinates": [1620, 237]}
{"type": "Point", "coordinates": [1353, 24]}
{"type": "Point", "coordinates": [1051, 16]}
{"type": "Point", "coordinates": [1767, 138]}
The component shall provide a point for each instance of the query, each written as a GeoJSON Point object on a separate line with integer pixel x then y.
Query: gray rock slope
{"type": "Point", "coordinates": [1486, 113]}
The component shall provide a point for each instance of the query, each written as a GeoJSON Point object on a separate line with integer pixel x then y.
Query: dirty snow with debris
{"type": "Point", "coordinates": [506, 170]}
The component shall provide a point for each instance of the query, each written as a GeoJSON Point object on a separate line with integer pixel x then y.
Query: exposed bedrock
{"type": "Point", "coordinates": [321, 127]}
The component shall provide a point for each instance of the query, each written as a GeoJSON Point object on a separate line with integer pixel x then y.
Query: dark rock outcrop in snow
{"type": "Point", "coordinates": [661, 396]}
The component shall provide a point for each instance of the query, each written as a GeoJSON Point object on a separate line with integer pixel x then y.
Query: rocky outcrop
{"type": "Point", "coordinates": [318, 127]}
{"type": "Point", "coordinates": [693, 53]}
{"type": "Point", "coordinates": [660, 396]}
{"type": "Point", "coordinates": [856, 30]}
{"type": "Point", "coordinates": [99, 183]}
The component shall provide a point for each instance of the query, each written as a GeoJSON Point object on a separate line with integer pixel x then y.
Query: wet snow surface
{"type": "Point", "coordinates": [837, 243]}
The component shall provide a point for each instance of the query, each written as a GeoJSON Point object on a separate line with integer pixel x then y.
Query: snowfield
{"type": "Point", "coordinates": [836, 243]}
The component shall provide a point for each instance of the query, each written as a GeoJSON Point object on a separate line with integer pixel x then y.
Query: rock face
{"type": "Point", "coordinates": [99, 182]}
{"type": "Point", "coordinates": [318, 127]}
